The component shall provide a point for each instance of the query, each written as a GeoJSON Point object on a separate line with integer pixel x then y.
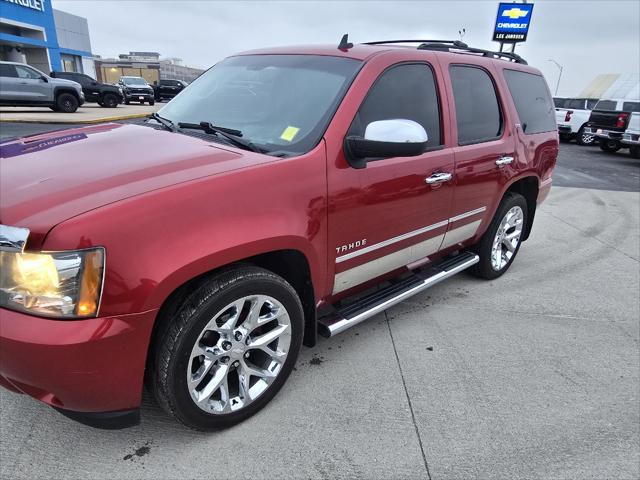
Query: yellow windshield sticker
{"type": "Point", "coordinates": [289, 133]}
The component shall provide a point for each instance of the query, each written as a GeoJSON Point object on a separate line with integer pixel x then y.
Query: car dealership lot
{"type": "Point", "coordinates": [533, 375]}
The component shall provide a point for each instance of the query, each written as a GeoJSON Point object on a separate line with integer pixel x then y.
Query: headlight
{"type": "Point", "coordinates": [57, 284]}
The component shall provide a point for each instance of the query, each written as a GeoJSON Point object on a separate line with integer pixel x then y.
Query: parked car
{"type": "Point", "coordinates": [631, 136]}
{"type": "Point", "coordinates": [334, 183]}
{"type": "Point", "coordinates": [572, 119]}
{"type": "Point", "coordinates": [167, 89]}
{"type": "Point", "coordinates": [136, 89]}
{"type": "Point", "coordinates": [103, 94]}
{"type": "Point", "coordinates": [22, 85]}
{"type": "Point", "coordinates": [609, 120]}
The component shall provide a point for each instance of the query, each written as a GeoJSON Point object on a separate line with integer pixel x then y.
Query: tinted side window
{"type": "Point", "coordinates": [7, 70]}
{"type": "Point", "coordinates": [591, 103]}
{"type": "Point", "coordinates": [559, 102]}
{"type": "Point", "coordinates": [576, 103]}
{"type": "Point", "coordinates": [533, 102]}
{"type": "Point", "coordinates": [631, 106]}
{"type": "Point", "coordinates": [404, 91]}
{"type": "Point", "coordinates": [606, 105]}
{"type": "Point", "coordinates": [477, 112]}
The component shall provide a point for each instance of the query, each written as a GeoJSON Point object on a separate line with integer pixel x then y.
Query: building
{"type": "Point", "coordinates": [147, 65]}
{"type": "Point", "coordinates": [613, 85]}
{"type": "Point", "coordinates": [31, 31]}
{"type": "Point", "coordinates": [172, 68]}
{"type": "Point", "coordinates": [136, 64]}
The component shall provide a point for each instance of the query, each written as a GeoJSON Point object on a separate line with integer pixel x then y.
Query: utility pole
{"type": "Point", "coordinates": [559, 75]}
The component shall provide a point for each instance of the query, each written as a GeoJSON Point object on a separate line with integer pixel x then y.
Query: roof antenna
{"type": "Point", "coordinates": [344, 43]}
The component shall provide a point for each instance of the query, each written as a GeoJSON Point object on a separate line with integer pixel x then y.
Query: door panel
{"type": "Point", "coordinates": [483, 140]}
{"type": "Point", "coordinates": [385, 216]}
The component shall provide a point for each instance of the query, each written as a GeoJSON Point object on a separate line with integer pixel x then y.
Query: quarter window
{"type": "Point", "coordinates": [402, 92]}
{"type": "Point", "coordinates": [631, 107]}
{"type": "Point", "coordinates": [477, 111]}
{"type": "Point", "coordinates": [532, 100]}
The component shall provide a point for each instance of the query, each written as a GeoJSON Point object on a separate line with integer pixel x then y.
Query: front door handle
{"type": "Point", "coordinates": [438, 178]}
{"type": "Point", "coordinates": [504, 161]}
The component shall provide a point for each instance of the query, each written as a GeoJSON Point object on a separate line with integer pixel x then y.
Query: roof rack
{"type": "Point", "coordinates": [454, 46]}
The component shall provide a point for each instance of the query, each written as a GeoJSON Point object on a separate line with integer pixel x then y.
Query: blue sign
{"type": "Point", "coordinates": [512, 22]}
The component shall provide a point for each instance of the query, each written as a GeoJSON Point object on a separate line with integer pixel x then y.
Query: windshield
{"type": "Point", "coordinates": [134, 81]}
{"type": "Point", "coordinates": [279, 102]}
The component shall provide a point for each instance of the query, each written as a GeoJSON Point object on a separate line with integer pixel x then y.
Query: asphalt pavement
{"type": "Point", "coordinates": [533, 375]}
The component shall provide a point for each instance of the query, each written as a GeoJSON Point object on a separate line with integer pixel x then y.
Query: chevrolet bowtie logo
{"type": "Point", "coordinates": [515, 13]}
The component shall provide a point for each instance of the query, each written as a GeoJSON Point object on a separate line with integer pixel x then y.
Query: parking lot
{"type": "Point", "coordinates": [533, 375]}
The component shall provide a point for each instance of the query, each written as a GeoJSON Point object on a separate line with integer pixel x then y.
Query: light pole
{"type": "Point", "coordinates": [559, 75]}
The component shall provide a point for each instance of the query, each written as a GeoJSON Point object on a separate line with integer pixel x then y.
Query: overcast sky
{"type": "Point", "coordinates": [586, 37]}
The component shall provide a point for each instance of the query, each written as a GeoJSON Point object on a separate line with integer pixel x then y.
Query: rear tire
{"type": "Point", "coordinates": [635, 152]}
{"type": "Point", "coordinates": [66, 103]}
{"type": "Point", "coordinates": [109, 100]}
{"type": "Point", "coordinates": [609, 146]}
{"type": "Point", "coordinates": [228, 348]}
{"type": "Point", "coordinates": [152, 102]}
{"type": "Point", "coordinates": [585, 139]}
{"type": "Point", "coordinates": [501, 242]}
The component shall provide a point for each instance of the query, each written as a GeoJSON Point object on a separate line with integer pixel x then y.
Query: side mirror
{"type": "Point", "coordinates": [44, 79]}
{"type": "Point", "coordinates": [94, 83]}
{"type": "Point", "coordinates": [386, 139]}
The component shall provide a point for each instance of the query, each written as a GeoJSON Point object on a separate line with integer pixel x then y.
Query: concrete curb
{"type": "Point", "coordinates": [77, 122]}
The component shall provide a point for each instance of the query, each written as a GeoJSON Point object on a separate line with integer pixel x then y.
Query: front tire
{"type": "Point", "coordinates": [66, 103]}
{"type": "Point", "coordinates": [152, 102]}
{"type": "Point", "coordinates": [228, 349]}
{"type": "Point", "coordinates": [609, 146]}
{"type": "Point", "coordinates": [501, 242]}
{"type": "Point", "coordinates": [634, 151]}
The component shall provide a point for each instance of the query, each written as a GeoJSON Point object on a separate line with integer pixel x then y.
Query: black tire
{"type": "Point", "coordinates": [565, 137]}
{"type": "Point", "coordinates": [66, 103]}
{"type": "Point", "coordinates": [109, 100]}
{"type": "Point", "coordinates": [127, 102]}
{"type": "Point", "coordinates": [635, 152]}
{"type": "Point", "coordinates": [484, 269]}
{"type": "Point", "coordinates": [585, 139]}
{"type": "Point", "coordinates": [152, 102]}
{"type": "Point", "coordinates": [177, 336]}
{"type": "Point", "coordinates": [609, 146]}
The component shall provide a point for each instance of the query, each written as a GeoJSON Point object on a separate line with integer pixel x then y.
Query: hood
{"type": "Point", "coordinates": [49, 178]}
{"type": "Point", "coordinates": [64, 81]}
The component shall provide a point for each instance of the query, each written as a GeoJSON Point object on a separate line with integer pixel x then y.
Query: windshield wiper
{"type": "Point", "coordinates": [233, 136]}
{"type": "Point", "coordinates": [165, 122]}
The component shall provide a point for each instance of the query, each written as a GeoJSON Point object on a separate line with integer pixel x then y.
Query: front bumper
{"type": "Point", "coordinates": [136, 96]}
{"type": "Point", "coordinates": [89, 369]}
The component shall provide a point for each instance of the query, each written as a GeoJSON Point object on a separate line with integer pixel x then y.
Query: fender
{"type": "Point", "coordinates": [64, 89]}
{"type": "Point", "coordinates": [157, 241]}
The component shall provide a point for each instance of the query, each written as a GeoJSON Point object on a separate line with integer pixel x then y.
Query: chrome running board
{"type": "Point", "coordinates": [346, 317]}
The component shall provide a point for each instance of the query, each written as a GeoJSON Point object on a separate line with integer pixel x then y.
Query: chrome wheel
{"type": "Point", "coordinates": [239, 354]}
{"type": "Point", "coordinates": [587, 138]}
{"type": "Point", "coordinates": [507, 238]}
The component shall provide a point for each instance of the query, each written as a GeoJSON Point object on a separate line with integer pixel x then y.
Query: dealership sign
{"type": "Point", "coordinates": [34, 4]}
{"type": "Point", "coordinates": [512, 22]}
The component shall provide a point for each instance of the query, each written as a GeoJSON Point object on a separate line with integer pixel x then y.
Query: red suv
{"type": "Point", "coordinates": [285, 192]}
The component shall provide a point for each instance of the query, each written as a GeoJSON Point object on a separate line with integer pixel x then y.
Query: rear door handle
{"type": "Point", "coordinates": [438, 178]}
{"type": "Point", "coordinates": [504, 161]}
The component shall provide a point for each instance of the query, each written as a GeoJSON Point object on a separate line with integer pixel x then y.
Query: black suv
{"type": "Point", "coordinates": [168, 88]}
{"type": "Point", "coordinates": [103, 94]}
{"type": "Point", "coordinates": [136, 89]}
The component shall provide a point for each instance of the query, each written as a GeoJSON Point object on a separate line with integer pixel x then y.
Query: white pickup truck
{"type": "Point", "coordinates": [572, 119]}
{"type": "Point", "coordinates": [631, 136]}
